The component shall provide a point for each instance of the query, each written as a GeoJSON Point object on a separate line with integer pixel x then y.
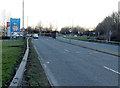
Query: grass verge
{"type": "Point", "coordinates": [12, 53]}
{"type": "Point", "coordinates": [35, 75]}
{"type": "Point", "coordinates": [79, 38]}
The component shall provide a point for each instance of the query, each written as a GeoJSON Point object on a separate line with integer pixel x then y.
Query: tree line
{"type": "Point", "coordinates": [108, 28]}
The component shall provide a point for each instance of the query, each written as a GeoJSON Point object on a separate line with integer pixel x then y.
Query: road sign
{"type": "Point", "coordinates": [14, 25]}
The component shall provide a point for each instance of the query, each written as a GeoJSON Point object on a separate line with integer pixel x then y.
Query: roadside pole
{"type": "Point", "coordinates": [70, 35]}
{"type": "Point", "coordinates": [110, 33]}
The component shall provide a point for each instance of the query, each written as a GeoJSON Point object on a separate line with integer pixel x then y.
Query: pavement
{"type": "Point", "coordinates": [70, 65]}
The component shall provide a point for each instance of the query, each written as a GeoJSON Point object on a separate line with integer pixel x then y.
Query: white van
{"type": "Point", "coordinates": [35, 36]}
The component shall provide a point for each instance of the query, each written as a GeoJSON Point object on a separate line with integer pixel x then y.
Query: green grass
{"type": "Point", "coordinates": [35, 74]}
{"type": "Point", "coordinates": [10, 58]}
{"type": "Point", "coordinates": [87, 39]}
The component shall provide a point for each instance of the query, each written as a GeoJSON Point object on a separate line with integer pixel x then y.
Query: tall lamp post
{"type": "Point", "coordinates": [23, 16]}
{"type": "Point", "coordinates": [70, 35]}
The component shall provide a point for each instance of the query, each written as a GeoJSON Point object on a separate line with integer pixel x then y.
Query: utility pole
{"type": "Point", "coordinates": [27, 21]}
{"type": "Point", "coordinates": [27, 24]}
{"type": "Point", "coordinates": [23, 16]}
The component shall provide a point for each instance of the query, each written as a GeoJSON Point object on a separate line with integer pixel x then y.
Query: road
{"type": "Point", "coordinates": [112, 49]}
{"type": "Point", "coordinates": [70, 65]}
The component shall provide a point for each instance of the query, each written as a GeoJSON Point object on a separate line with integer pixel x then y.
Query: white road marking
{"type": "Point", "coordinates": [66, 50]}
{"type": "Point", "coordinates": [47, 62]}
{"type": "Point", "coordinates": [77, 52]}
{"type": "Point", "coordinates": [95, 52]}
{"type": "Point", "coordinates": [111, 70]}
{"type": "Point", "coordinates": [35, 39]}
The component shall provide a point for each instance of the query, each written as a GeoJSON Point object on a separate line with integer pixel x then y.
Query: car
{"type": "Point", "coordinates": [21, 35]}
{"type": "Point", "coordinates": [15, 35]}
{"type": "Point", "coordinates": [35, 36]}
{"type": "Point", "coordinates": [75, 35]}
{"type": "Point", "coordinates": [29, 35]}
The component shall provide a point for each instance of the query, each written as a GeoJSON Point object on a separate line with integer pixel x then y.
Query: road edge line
{"type": "Point", "coordinates": [40, 59]}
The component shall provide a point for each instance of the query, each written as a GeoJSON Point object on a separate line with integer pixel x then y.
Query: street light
{"type": "Point", "coordinates": [70, 35]}
{"type": "Point", "coordinates": [23, 15]}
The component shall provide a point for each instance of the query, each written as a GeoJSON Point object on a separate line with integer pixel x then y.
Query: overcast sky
{"type": "Point", "coordinates": [60, 13]}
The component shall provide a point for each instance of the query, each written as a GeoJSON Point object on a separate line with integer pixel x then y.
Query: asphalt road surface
{"type": "Point", "coordinates": [112, 49]}
{"type": "Point", "coordinates": [70, 65]}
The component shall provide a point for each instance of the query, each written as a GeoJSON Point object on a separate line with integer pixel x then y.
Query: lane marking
{"type": "Point", "coordinates": [77, 52]}
{"type": "Point", "coordinates": [47, 62]}
{"type": "Point", "coordinates": [93, 52]}
{"type": "Point", "coordinates": [111, 70]}
{"type": "Point", "coordinates": [35, 39]}
{"type": "Point", "coordinates": [66, 50]}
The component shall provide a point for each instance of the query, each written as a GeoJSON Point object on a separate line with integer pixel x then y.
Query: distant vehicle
{"type": "Point", "coordinates": [21, 35]}
{"type": "Point", "coordinates": [29, 35]}
{"type": "Point", "coordinates": [75, 35]}
{"type": "Point", "coordinates": [15, 35]}
{"type": "Point", "coordinates": [64, 35]}
{"type": "Point", "coordinates": [35, 36]}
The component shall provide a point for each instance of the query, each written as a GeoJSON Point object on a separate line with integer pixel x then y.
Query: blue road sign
{"type": "Point", "coordinates": [14, 25]}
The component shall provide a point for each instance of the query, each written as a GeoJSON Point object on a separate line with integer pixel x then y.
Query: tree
{"type": "Point", "coordinates": [110, 23]}
{"type": "Point", "coordinates": [65, 30]}
{"type": "Point", "coordinates": [39, 26]}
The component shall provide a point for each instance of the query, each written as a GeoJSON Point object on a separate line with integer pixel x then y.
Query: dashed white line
{"type": "Point", "coordinates": [47, 62]}
{"type": "Point", "coordinates": [77, 52]}
{"type": "Point", "coordinates": [111, 70]}
{"type": "Point", "coordinates": [66, 50]}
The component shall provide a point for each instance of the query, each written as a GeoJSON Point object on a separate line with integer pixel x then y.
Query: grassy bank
{"type": "Point", "coordinates": [12, 52]}
{"type": "Point", "coordinates": [81, 38]}
{"type": "Point", "coordinates": [35, 75]}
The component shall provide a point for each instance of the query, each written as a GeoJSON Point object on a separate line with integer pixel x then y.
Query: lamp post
{"type": "Point", "coordinates": [110, 33]}
{"type": "Point", "coordinates": [98, 34]}
{"type": "Point", "coordinates": [70, 35]}
{"type": "Point", "coordinates": [23, 16]}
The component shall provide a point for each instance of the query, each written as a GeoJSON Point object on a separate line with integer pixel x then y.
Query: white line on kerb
{"type": "Point", "coordinates": [111, 70]}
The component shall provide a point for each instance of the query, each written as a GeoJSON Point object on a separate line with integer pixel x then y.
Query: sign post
{"type": "Point", "coordinates": [14, 26]}
{"type": "Point", "coordinates": [110, 33]}
{"type": "Point", "coordinates": [8, 29]}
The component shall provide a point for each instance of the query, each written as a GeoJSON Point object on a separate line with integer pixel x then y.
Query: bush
{"type": "Point", "coordinates": [5, 37]}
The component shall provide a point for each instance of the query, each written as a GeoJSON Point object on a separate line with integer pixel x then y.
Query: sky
{"type": "Point", "coordinates": [59, 13]}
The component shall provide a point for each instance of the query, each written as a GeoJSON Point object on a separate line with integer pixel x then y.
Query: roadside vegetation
{"type": "Point", "coordinates": [12, 53]}
{"type": "Point", "coordinates": [35, 75]}
{"type": "Point", "coordinates": [93, 39]}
